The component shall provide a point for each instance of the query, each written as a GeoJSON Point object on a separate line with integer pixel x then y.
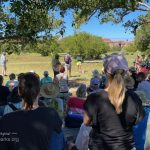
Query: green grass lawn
{"type": "Point", "coordinates": [26, 62]}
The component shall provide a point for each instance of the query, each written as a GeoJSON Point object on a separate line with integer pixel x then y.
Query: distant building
{"type": "Point", "coordinates": [116, 43]}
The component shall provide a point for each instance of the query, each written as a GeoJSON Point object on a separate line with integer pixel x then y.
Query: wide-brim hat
{"type": "Point", "coordinates": [50, 90]}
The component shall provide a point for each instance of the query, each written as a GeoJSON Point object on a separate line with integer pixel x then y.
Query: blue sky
{"type": "Point", "coordinates": [107, 30]}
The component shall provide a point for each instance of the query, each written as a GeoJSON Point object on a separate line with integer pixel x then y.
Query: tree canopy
{"type": "Point", "coordinates": [84, 44]}
{"type": "Point", "coordinates": [142, 38]}
{"type": "Point", "coordinates": [27, 20]}
{"type": "Point", "coordinates": [30, 19]}
{"type": "Point", "coordinates": [23, 21]}
{"type": "Point", "coordinates": [106, 10]}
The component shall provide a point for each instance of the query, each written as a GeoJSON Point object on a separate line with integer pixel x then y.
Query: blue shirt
{"type": "Point", "coordinates": [144, 86]}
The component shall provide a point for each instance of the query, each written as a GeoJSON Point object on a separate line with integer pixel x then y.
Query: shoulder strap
{"type": "Point", "coordinates": [12, 107]}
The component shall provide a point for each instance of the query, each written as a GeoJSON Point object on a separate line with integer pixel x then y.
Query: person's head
{"type": "Point", "coordinates": [81, 91]}
{"type": "Point", "coordinates": [129, 82]}
{"type": "Point", "coordinates": [1, 80]}
{"type": "Point", "coordinates": [56, 56]}
{"type": "Point", "coordinates": [45, 73]}
{"type": "Point", "coordinates": [20, 76]}
{"type": "Point", "coordinates": [29, 89]}
{"type": "Point", "coordinates": [115, 67]}
{"type": "Point", "coordinates": [62, 69]}
{"type": "Point", "coordinates": [95, 73]}
{"type": "Point", "coordinates": [141, 76]}
{"type": "Point", "coordinates": [12, 76]}
{"type": "Point", "coordinates": [132, 70]}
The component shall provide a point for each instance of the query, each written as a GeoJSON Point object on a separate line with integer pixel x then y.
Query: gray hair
{"type": "Point", "coordinates": [81, 91]}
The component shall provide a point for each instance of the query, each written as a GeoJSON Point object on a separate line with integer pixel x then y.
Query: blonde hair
{"type": "Point", "coordinates": [116, 90]}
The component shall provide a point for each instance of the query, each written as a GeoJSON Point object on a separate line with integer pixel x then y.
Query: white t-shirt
{"type": "Point", "coordinates": [63, 82]}
{"type": "Point", "coordinates": [83, 137]}
{"type": "Point", "coordinates": [3, 59]}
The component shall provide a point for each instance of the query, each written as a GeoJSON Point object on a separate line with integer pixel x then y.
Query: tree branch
{"type": "Point", "coordinates": [145, 5]}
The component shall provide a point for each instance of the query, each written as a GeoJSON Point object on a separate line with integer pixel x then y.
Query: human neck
{"type": "Point", "coordinates": [35, 106]}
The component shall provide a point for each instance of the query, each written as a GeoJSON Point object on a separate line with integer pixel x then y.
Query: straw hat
{"type": "Point", "coordinates": [49, 90]}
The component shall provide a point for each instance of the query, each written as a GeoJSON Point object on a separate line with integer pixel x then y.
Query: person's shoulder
{"type": "Point", "coordinates": [47, 110]}
{"type": "Point", "coordinates": [73, 98]}
{"type": "Point", "coordinates": [49, 77]}
{"type": "Point", "coordinates": [5, 88]}
{"type": "Point", "coordinates": [132, 97]}
{"type": "Point", "coordinates": [103, 96]}
{"type": "Point", "coordinates": [9, 116]}
{"type": "Point", "coordinates": [144, 83]}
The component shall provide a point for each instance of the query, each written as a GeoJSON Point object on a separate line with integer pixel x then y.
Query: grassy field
{"type": "Point", "coordinates": [24, 63]}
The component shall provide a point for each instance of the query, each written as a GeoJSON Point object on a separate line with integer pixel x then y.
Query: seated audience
{"type": "Point", "coordinates": [112, 113]}
{"type": "Point", "coordinates": [143, 68]}
{"type": "Point", "coordinates": [82, 140]}
{"type": "Point", "coordinates": [12, 83]}
{"type": "Point", "coordinates": [49, 97]}
{"type": "Point", "coordinates": [74, 116]}
{"type": "Point", "coordinates": [133, 74]}
{"type": "Point", "coordinates": [33, 126]}
{"type": "Point", "coordinates": [144, 85]}
{"type": "Point", "coordinates": [95, 82]}
{"type": "Point", "coordinates": [14, 102]}
{"type": "Point", "coordinates": [129, 82]}
{"type": "Point", "coordinates": [4, 92]}
{"type": "Point", "coordinates": [46, 78]}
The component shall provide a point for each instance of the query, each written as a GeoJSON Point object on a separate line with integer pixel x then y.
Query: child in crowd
{"type": "Point", "coordinates": [12, 83]}
{"type": "Point", "coordinates": [95, 82]}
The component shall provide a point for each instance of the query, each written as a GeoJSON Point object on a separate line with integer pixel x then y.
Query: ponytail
{"type": "Point", "coordinates": [29, 88]}
{"type": "Point", "coordinates": [116, 90]}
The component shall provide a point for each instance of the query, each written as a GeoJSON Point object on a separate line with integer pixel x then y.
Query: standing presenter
{"type": "Point", "coordinates": [3, 63]}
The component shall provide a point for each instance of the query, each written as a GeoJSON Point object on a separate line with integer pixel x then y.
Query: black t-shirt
{"type": "Point", "coordinates": [14, 96]}
{"type": "Point", "coordinates": [29, 130]}
{"type": "Point", "coordinates": [4, 92]}
{"type": "Point", "coordinates": [112, 131]}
